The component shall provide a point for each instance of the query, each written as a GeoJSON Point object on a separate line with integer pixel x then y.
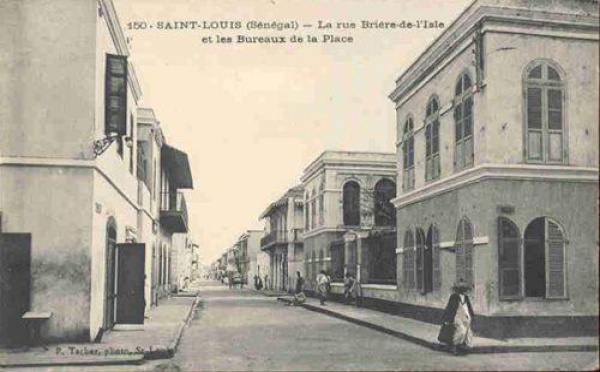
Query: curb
{"type": "Point", "coordinates": [101, 361]}
{"type": "Point", "coordinates": [169, 351]}
{"type": "Point", "coordinates": [439, 347]}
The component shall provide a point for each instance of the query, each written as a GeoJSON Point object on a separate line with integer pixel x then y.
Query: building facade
{"type": "Point", "coordinates": [249, 243]}
{"type": "Point", "coordinates": [79, 202]}
{"type": "Point", "coordinates": [350, 221]}
{"type": "Point", "coordinates": [282, 239]}
{"type": "Point", "coordinates": [498, 167]}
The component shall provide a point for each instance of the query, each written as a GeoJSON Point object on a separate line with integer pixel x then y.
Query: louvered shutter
{"type": "Point", "coordinates": [509, 271]}
{"type": "Point", "coordinates": [419, 260]}
{"type": "Point", "coordinates": [459, 252]}
{"type": "Point", "coordinates": [468, 252]}
{"type": "Point", "coordinates": [435, 246]}
{"type": "Point", "coordinates": [555, 244]}
{"type": "Point", "coordinates": [115, 95]}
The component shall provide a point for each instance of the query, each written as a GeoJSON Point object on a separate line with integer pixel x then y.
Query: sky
{"type": "Point", "coordinates": [251, 117]}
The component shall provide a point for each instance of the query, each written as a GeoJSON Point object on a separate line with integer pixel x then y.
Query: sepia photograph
{"type": "Point", "coordinates": [299, 185]}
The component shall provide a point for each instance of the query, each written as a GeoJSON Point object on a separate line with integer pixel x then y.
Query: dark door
{"type": "Point", "coordinates": [15, 274]}
{"type": "Point", "coordinates": [111, 288]}
{"type": "Point", "coordinates": [130, 283]}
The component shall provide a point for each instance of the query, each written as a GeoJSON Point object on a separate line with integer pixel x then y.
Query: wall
{"type": "Point", "coordinates": [60, 226]}
{"type": "Point", "coordinates": [571, 206]}
{"type": "Point", "coordinates": [504, 92]}
{"type": "Point", "coordinates": [54, 119]}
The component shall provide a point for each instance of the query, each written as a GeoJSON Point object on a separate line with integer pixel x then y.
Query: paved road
{"type": "Point", "coordinates": [240, 330]}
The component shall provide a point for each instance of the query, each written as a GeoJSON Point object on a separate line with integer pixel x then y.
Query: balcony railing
{"type": "Point", "coordinates": [173, 212]}
{"type": "Point", "coordinates": [280, 237]}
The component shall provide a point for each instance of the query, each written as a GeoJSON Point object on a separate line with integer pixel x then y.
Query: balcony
{"type": "Point", "coordinates": [173, 212]}
{"type": "Point", "coordinates": [280, 237]}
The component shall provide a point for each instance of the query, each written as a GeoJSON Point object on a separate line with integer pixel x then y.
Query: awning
{"type": "Point", "coordinates": [176, 164]}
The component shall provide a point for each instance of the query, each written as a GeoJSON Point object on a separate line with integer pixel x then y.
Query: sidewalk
{"type": "Point", "coordinates": [425, 334]}
{"type": "Point", "coordinates": [157, 338]}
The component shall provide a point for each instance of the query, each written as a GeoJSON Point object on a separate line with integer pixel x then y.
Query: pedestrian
{"type": "Point", "coordinates": [230, 279]}
{"type": "Point", "coordinates": [323, 285]}
{"type": "Point", "coordinates": [299, 296]}
{"type": "Point", "coordinates": [351, 289]}
{"type": "Point", "coordinates": [456, 327]}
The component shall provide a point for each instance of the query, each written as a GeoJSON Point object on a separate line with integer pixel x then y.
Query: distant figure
{"type": "Point", "coordinates": [299, 296]}
{"type": "Point", "coordinates": [258, 284]}
{"type": "Point", "coordinates": [230, 278]}
{"type": "Point", "coordinates": [352, 290]}
{"type": "Point", "coordinates": [267, 286]}
{"type": "Point", "coordinates": [456, 328]}
{"type": "Point", "coordinates": [323, 285]}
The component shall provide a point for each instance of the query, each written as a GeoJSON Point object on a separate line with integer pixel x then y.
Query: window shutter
{"type": "Point", "coordinates": [435, 245]}
{"type": "Point", "coordinates": [115, 95]}
{"type": "Point", "coordinates": [555, 262]}
{"type": "Point", "coordinates": [419, 260]}
{"type": "Point", "coordinates": [509, 258]}
{"type": "Point", "coordinates": [468, 252]}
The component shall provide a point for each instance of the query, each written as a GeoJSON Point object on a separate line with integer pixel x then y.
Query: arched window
{"type": "Point", "coordinates": [432, 272]}
{"type": "Point", "coordinates": [385, 213]}
{"type": "Point", "coordinates": [408, 262]}
{"type": "Point", "coordinates": [408, 155]}
{"type": "Point", "coordinates": [509, 259]}
{"type": "Point", "coordinates": [544, 100]}
{"type": "Point", "coordinates": [322, 204]}
{"type": "Point", "coordinates": [306, 212]}
{"type": "Point", "coordinates": [313, 209]}
{"type": "Point", "coordinates": [321, 260]}
{"type": "Point", "coordinates": [463, 123]}
{"type": "Point", "coordinates": [432, 141]}
{"type": "Point", "coordinates": [314, 265]}
{"type": "Point", "coordinates": [464, 251]}
{"type": "Point", "coordinates": [420, 259]}
{"type": "Point", "coordinates": [544, 259]}
{"type": "Point", "coordinates": [351, 203]}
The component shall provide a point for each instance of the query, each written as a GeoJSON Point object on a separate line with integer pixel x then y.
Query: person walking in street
{"type": "Point", "coordinates": [323, 285]}
{"type": "Point", "coordinates": [456, 327]}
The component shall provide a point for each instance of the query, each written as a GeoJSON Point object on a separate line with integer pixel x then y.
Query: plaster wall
{"type": "Point", "coordinates": [505, 121]}
{"type": "Point", "coordinates": [40, 201]}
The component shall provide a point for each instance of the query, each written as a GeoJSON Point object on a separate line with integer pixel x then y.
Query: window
{"type": "Point", "coordinates": [463, 121]}
{"type": "Point", "coordinates": [313, 209]}
{"type": "Point", "coordinates": [432, 141]}
{"type": "Point", "coordinates": [509, 259]}
{"type": "Point", "coordinates": [337, 260]}
{"type": "Point", "coordinates": [432, 272]}
{"type": "Point", "coordinates": [408, 262]}
{"type": "Point", "coordinates": [314, 265]}
{"type": "Point", "coordinates": [385, 212]}
{"type": "Point", "coordinates": [420, 259]}
{"type": "Point", "coordinates": [544, 257]}
{"type": "Point", "coordinates": [408, 155]}
{"type": "Point", "coordinates": [115, 95]}
{"type": "Point", "coordinates": [322, 204]}
{"type": "Point", "coordinates": [382, 258]}
{"type": "Point", "coordinates": [131, 128]}
{"type": "Point", "coordinates": [321, 260]}
{"type": "Point", "coordinates": [351, 203]}
{"type": "Point", "coordinates": [544, 100]}
{"type": "Point", "coordinates": [141, 163]}
{"type": "Point", "coordinates": [464, 252]}
{"type": "Point", "coordinates": [306, 212]}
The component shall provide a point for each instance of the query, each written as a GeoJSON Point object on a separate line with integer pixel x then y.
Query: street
{"type": "Point", "coordinates": [242, 330]}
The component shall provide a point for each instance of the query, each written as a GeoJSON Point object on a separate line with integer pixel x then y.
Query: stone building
{"type": "Point", "coordinates": [498, 162]}
{"type": "Point", "coordinates": [282, 238]}
{"type": "Point", "coordinates": [349, 220]}
{"type": "Point", "coordinates": [79, 168]}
